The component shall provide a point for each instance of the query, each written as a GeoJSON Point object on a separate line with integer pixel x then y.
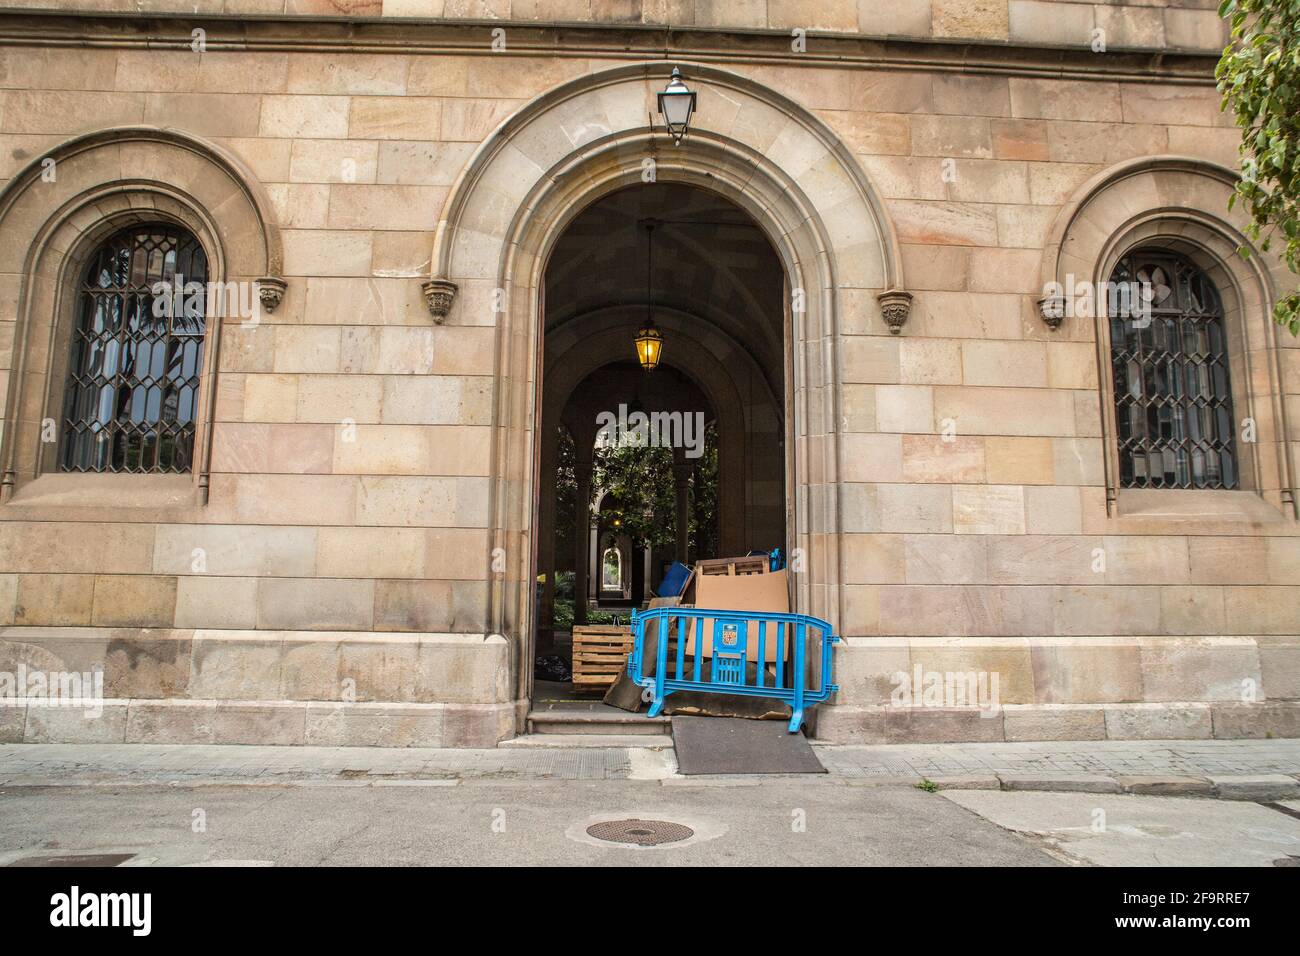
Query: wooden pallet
{"type": "Point", "coordinates": [755, 564]}
{"type": "Point", "coordinates": [600, 653]}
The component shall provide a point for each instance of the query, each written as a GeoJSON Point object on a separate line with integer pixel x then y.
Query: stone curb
{"type": "Point", "coordinates": [1075, 783]}
{"type": "Point", "coordinates": [1252, 787]}
{"type": "Point", "coordinates": [1258, 787]}
{"type": "Point", "coordinates": [1167, 785]}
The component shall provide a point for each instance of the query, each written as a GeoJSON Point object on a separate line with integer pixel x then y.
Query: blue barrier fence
{"type": "Point", "coordinates": [745, 652]}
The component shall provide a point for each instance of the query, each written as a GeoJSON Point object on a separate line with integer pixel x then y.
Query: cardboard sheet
{"type": "Point", "coordinates": [742, 592]}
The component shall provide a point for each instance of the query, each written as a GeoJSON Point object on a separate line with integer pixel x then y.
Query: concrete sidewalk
{"type": "Point", "coordinates": [1232, 769]}
{"type": "Point", "coordinates": [1235, 769]}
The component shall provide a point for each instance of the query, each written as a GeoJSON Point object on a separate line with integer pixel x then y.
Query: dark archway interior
{"type": "Point", "coordinates": [711, 261]}
{"type": "Point", "coordinates": [706, 476]}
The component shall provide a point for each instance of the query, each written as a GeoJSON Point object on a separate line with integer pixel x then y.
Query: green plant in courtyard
{"type": "Point", "coordinates": [640, 480]}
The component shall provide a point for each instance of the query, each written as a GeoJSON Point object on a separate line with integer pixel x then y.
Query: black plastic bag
{"type": "Point", "coordinates": [552, 667]}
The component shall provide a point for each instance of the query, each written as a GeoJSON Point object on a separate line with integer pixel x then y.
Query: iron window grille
{"type": "Point", "coordinates": [136, 355]}
{"type": "Point", "coordinates": [1169, 357]}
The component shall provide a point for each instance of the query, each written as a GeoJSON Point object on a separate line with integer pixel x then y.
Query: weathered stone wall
{"type": "Point", "coordinates": [334, 556]}
{"type": "Point", "coordinates": [1143, 24]}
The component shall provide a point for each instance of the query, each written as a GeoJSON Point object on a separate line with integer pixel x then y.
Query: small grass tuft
{"type": "Point", "coordinates": [929, 786]}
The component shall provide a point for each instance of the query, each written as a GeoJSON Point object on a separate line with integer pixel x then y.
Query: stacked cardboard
{"type": "Point", "coordinates": [721, 584]}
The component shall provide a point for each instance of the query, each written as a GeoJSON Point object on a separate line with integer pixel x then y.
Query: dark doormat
{"type": "Point", "coordinates": [735, 745]}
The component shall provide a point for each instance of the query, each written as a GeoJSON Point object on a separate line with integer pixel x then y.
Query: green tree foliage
{"type": "Point", "coordinates": [704, 498]}
{"type": "Point", "coordinates": [1259, 77]}
{"type": "Point", "coordinates": [566, 487]}
{"type": "Point", "coordinates": [641, 481]}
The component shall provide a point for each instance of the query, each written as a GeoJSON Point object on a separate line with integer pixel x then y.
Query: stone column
{"type": "Point", "coordinates": [682, 482]}
{"type": "Point", "coordinates": [581, 536]}
{"type": "Point", "coordinates": [546, 556]}
{"type": "Point", "coordinates": [593, 561]}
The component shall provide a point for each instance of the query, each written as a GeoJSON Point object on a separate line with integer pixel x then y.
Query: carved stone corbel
{"type": "Point", "coordinates": [895, 307]}
{"type": "Point", "coordinates": [270, 292]}
{"type": "Point", "coordinates": [1051, 309]}
{"type": "Point", "coordinates": [439, 294]}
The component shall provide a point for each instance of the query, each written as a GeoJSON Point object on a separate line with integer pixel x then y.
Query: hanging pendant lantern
{"type": "Point", "coordinates": [649, 346]}
{"type": "Point", "coordinates": [649, 340]}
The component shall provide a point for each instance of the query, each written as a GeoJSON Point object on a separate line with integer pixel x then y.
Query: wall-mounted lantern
{"type": "Point", "coordinates": [677, 106]}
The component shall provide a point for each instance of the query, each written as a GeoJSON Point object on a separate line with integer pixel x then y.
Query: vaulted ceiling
{"type": "Point", "coordinates": [711, 261]}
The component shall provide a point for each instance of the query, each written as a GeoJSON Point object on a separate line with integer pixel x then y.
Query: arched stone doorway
{"type": "Point", "coordinates": [714, 286]}
{"type": "Point", "coordinates": [588, 138]}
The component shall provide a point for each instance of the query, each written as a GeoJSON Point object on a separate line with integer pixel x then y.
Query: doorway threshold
{"type": "Point", "coordinates": [622, 741]}
{"type": "Point", "coordinates": [575, 717]}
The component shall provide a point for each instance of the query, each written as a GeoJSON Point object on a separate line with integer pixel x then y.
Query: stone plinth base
{"type": "Point", "coordinates": [1015, 722]}
{"type": "Point", "coordinates": [284, 722]}
{"type": "Point", "coordinates": [322, 688]}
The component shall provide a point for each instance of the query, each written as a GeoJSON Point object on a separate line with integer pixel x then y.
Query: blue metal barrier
{"type": "Point", "coordinates": [736, 640]}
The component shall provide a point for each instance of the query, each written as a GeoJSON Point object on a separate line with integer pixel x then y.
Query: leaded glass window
{"type": "Point", "coordinates": [136, 355]}
{"type": "Point", "coordinates": [1169, 356]}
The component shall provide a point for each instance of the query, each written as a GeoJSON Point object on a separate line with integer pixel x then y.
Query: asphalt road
{"type": "Point", "coordinates": [512, 823]}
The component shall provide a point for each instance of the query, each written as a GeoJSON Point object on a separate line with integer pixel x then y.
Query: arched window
{"type": "Point", "coordinates": [1169, 356]}
{"type": "Point", "coordinates": [611, 575]}
{"type": "Point", "coordinates": [137, 353]}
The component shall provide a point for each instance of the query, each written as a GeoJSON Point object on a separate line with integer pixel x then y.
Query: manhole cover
{"type": "Point", "coordinates": [640, 832]}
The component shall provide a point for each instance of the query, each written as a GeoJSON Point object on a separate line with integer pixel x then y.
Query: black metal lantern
{"type": "Point", "coordinates": [676, 106]}
{"type": "Point", "coordinates": [649, 345]}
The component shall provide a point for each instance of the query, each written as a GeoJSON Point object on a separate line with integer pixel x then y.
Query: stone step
{"type": "Point", "coordinates": [585, 722]}
{"type": "Point", "coordinates": [535, 740]}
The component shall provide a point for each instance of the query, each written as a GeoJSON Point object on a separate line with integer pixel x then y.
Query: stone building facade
{"type": "Point", "coordinates": [343, 552]}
